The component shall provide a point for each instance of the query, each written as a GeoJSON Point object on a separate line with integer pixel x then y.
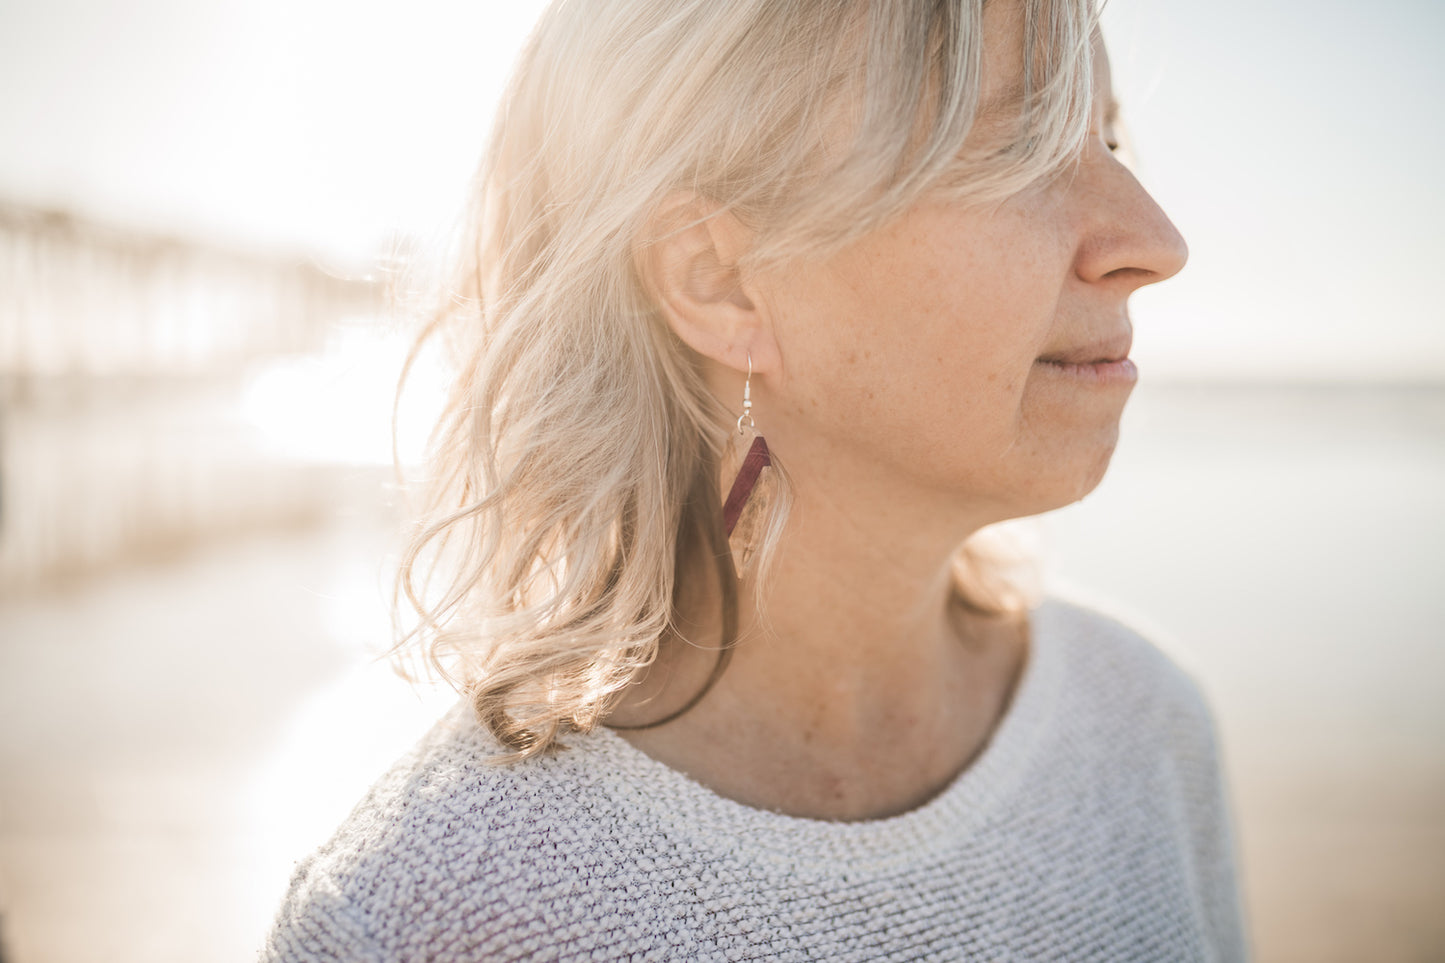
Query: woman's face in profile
{"type": "Point", "coordinates": [980, 352]}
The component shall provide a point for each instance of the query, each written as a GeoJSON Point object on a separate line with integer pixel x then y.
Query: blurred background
{"type": "Point", "coordinates": [200, 204]}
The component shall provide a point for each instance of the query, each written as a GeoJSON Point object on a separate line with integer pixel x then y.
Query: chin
{"type": "Point", "coordinates": [1094, 469]}
{"type": "Point", "coordinates": [1070, 442]}
{"type": "Point", "coordinates": [1069, 480]}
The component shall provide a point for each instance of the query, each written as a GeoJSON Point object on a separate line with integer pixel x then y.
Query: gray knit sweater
{"type": "Point", "coordinates": [1092, 828]}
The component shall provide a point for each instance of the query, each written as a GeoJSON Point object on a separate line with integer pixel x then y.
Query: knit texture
{"type": "Point", "coordinates": [1093, 827]}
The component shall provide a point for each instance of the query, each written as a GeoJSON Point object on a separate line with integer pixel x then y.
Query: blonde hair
{"type": "Point", "coordinates": [574, 471]}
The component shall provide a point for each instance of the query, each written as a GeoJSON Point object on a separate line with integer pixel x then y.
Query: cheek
{"type": "Point", "coordinates": [937, 393]}
{"type": "Point", "coordinates": [927, 334]}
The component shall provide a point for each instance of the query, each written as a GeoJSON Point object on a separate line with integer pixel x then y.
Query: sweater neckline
{"type": "Point", "coordinates": [679, 805]}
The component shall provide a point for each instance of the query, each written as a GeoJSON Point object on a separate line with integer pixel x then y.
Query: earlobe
{"type": "Point", "coordinates": [690, 267]}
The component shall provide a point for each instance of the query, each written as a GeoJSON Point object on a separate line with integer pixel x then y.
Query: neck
{"type": "Point", "coordinates": [860, 690]}
{"type": "Point", "coordinates": [853, 623]}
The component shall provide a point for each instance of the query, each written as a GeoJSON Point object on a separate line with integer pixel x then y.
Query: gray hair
{"type": "Point", "coordinates": [574, 470]}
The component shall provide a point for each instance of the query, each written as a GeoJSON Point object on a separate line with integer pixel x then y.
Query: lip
{"type": "Point", "coordinates": [1104, 362]}
{"type": "Point", "coordinates": [1102, 351]}
{"type": "Point", "coordinates": [1120, 371]}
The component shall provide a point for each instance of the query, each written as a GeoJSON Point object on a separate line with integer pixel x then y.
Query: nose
{"type": "Point", "coordinates": [1126, 239]}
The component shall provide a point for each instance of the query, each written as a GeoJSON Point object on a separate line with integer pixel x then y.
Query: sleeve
{"type": "Point", "coordinates": [317, 922]}
{"type": "Point", "coordinates": [1205, 801]}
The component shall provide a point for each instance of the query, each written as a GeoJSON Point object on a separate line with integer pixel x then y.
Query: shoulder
{"type": "Point", "coordinates": [442, 853]}
{"type": "Point", "coordinates": [1130, 708]}
{"type": "Point", "coordinates": [1120, 671]}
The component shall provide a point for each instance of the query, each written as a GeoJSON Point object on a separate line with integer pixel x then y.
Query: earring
{"type": "Point", "coordinates": [753, 486]}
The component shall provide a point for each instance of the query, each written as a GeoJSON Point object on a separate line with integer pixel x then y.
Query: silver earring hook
{"type": "Point", "coordinates": [746, 418]}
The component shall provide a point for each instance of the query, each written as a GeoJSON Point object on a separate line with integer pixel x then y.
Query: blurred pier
{"type": "Point", "coordinates": [123, 359]}
{"type": "Point", "coordinates": [187, 560]}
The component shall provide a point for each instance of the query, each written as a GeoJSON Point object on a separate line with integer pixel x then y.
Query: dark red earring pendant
{"type": "Point", "coordinates": [751, 492]}
{"type": "Point", "coordinates": [756, 459]}
{"type": "Point", "coordinates": [751, 482]}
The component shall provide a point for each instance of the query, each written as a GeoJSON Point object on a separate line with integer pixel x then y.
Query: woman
{"type": "Point", "coordinates": [803, 715]}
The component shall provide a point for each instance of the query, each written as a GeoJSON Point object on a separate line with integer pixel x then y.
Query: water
{"type": "Point", "coordinates": [1293, 541]}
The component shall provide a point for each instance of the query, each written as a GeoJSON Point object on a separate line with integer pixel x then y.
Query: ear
{"type": "Point", "coordinates": [689, 263]}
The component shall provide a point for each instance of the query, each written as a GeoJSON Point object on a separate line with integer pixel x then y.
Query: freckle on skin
{"type": "Point", "coordinates": [993, 376]}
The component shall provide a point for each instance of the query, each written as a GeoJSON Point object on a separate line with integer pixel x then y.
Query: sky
{"type": "Point", "coordinates": [1294, 144]}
